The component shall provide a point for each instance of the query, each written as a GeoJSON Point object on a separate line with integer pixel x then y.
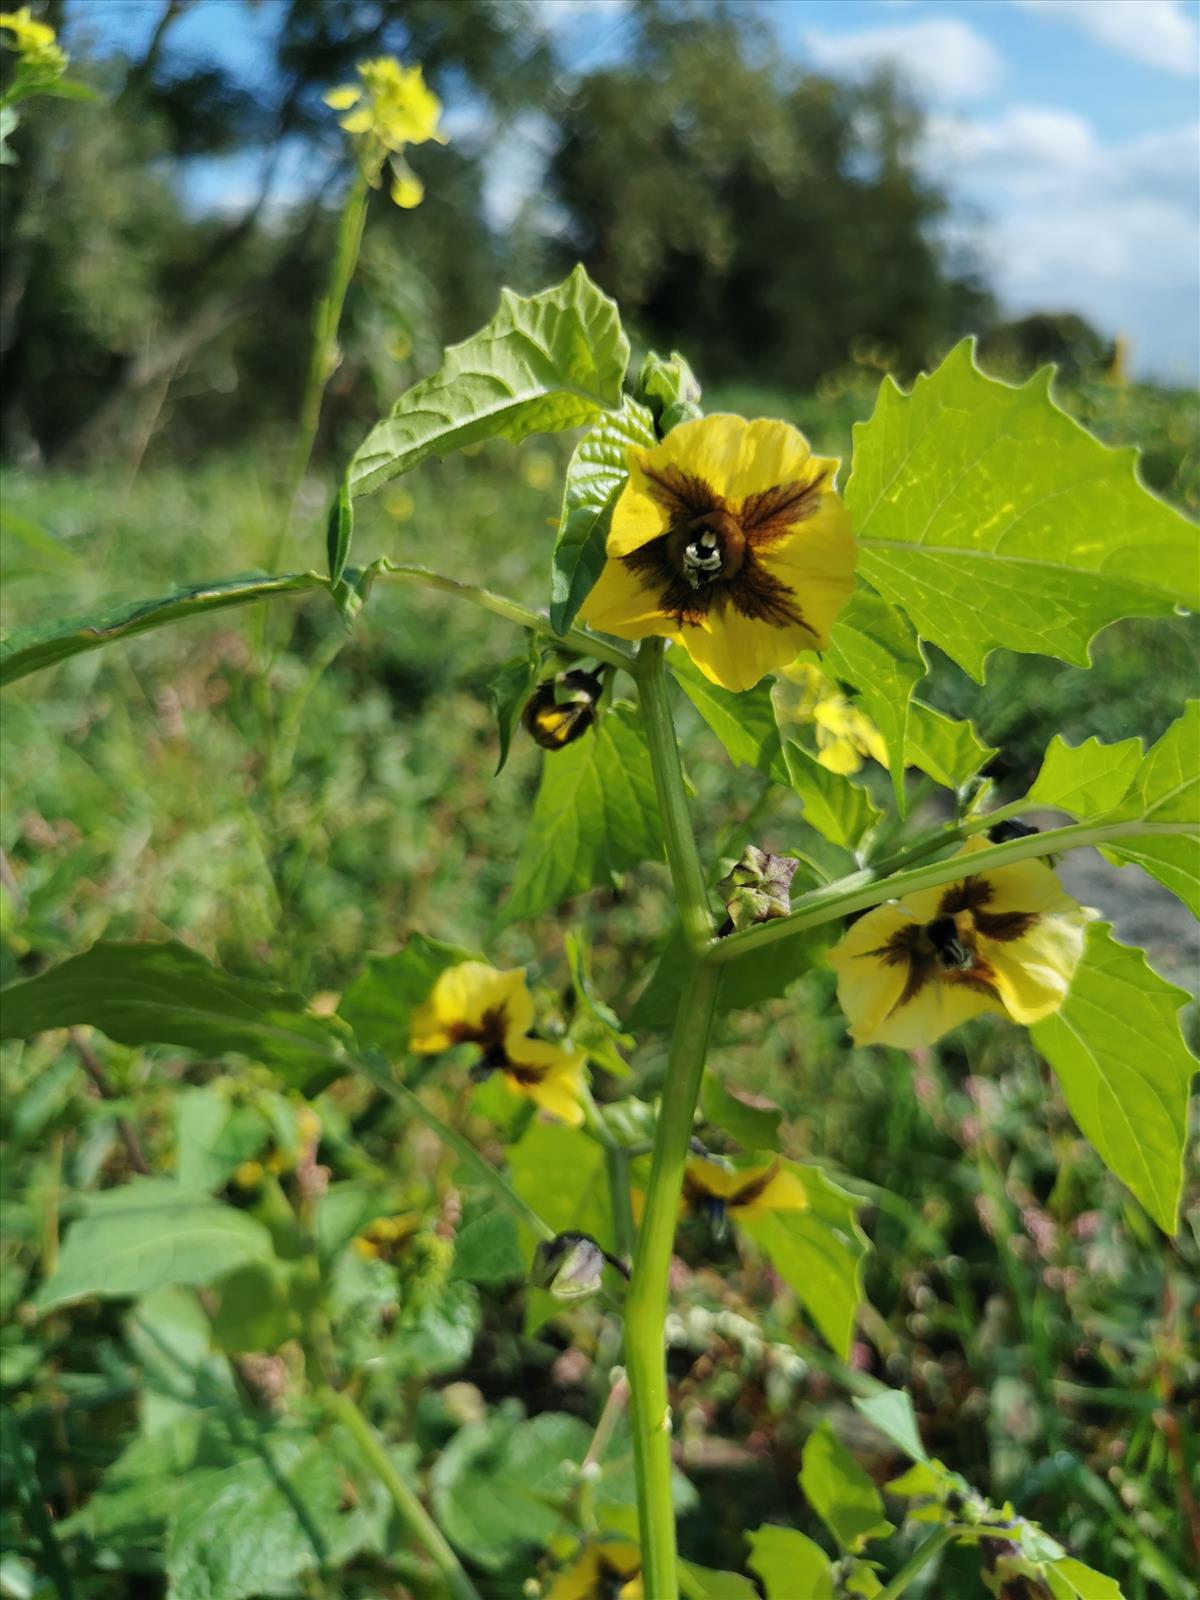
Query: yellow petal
{"type": "Point", "coordinates": [342, 98]}
{"type": "Point", "coordinates": [1033, 973]}
{"type": "Point", "coordinates": [360, 121]}
{"type": "Point", "coordinates": [736, 651]}
{"type": "Point", "coordinates": [785, 1192]}
{"type": "Point", "coordinates": [709, 449]}
{"type": "Point", "coordinates": [940, 1006]}
{"type": "Point", "coordinates": [837, 754]}
{"type": "Point", "coordinates": [620, 603]}
{"type": "Point", "coordinates": [709, 1177]}
{"type": "Point", "coordinates": [868, 988]}
{"type": "Point", "coordinates": [774, 453]}
{"type": "Point", "coordinates": [559, 1088]}
{"type": "Point", "coordinates": [407, 191]}
{"type": "Point", "coordinates": [462, 997]}
{"type": "Point", "coordinates": [816, 561]}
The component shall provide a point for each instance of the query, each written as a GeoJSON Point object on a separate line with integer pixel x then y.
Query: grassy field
{"type": "Point", "coordinates": [288, 798]}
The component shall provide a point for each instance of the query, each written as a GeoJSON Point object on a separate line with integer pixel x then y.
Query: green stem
{"type": "Point", "coordinates": [412, 1513]}
{"type": "Point", "coordinates": [326, 320]}
{"type": "Point", "coordinates": [920, 1558]}
{"type": "Point", "coordinates": [646, 1303]}
{"type": "Point", "coordinates": [587, 644]}
{"type": "Point", "coordinates": [864, 889]}
{"type": "Point", "coordinates": [463, 1148]}
{"type": "Point", "coordinates": [616, 1167]}
{"type": "Point", "coordinates": [686, 875]}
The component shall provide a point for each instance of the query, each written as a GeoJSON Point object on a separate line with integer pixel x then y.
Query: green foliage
{"type": "Point", "coordinates": [982, 552]}
{"type": "Point", "coordinates": [744, 723]}
{"type": "Point", "coordinates": [840, 1492]}
{"type": "Point", "coordinates": [1124, 1069]}
{"type": "Point", "coordinates": [595, 816]}
{"type": "Point", "coordinates": [596, 474]}
{"type": "Point", "coordinates": [753, 1127]}
{"type": "Point", "coordinates": [839, 810]}
{"type": "Point", "coordinates": [875, 648]}
{"type": "Point", "coordinates": [946, 749]}
{"type": "Point", "coordinates": [544, 363]}
{"type": "Point", "coordinates": [788, 1562]}
{"type": "Point", "coordinates": [379, 1004]}
{"type": "Point", "coordinates": [147, 1235]}
{"type": "Point", "coordinates": [45, 644]}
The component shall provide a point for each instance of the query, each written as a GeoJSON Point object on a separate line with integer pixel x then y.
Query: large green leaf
{"type": "Point", "coordinates": [45, 643]}
{"type": "Point", "coordinates": [744, 723]}
{"type": "Point", "coordinates": [994, 519]}
{"type": "Point", "coordinates": [167, 994]}
{"type": "Point", "coordinates": [818, 1252]}
{"type": "Point", "coordinates": [839, 810]}
{"type": "Point", "coordinates": [1124, 1069]}
{"type": "Point", "coordinates": [560, 1172]}
{"type": "Point", "coordinates": [944, 748]}
{"type": "Point", "coordinates": [840, 1492]}
{"type": "Point", "coordinates": [1086, 780]}
{"type": "Point", "coordinates": [1071, 1580]}
{"type": "Point", "coordinates": [552, 361]}
{"type": "Point", "coordinates": [596, 814]}
{"type": "Point", "coordinates": [891, 1411]}
{"type": "Point", "coordinates": [789, 1564]}
{"type": "Point", "coordinates": [875, 647]}
{"type": "Point", "coordinates": [379, 1004]}
{"type": "Point", "coordinates": [147, 1234]}
{"type": "Point", "coordinates": [743, 983]}
{"type": "Point", "coordinates": [595, 477]}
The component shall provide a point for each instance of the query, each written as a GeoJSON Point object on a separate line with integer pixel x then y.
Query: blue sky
{"type": "Point", "coordinates": [1068, 130]}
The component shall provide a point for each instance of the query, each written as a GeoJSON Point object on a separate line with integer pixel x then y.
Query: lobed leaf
{"type": "Point", "coordinates": [944, 748]}
{"type": "Point", "coordinates": [596, 814]}
{"type": "Point", "coordinates": [46, 643]}
{"type": "Point", "coordinates": [840, 1492]}
{"type": "Point", "coordinates": [874, 647]}
{"type": "Point", "coordinates": [744, 723]}
{"type": "Point", "coordinates": [595, 477]}
{"type": "Point", "coordinates": [544, 363]}
{"type": "Point", "coordinates": [891, 1411]}
{"type": "Point", "coordinates": [789, 1564]}
{"type": "Point", "coordinates": [1085, 780]}
{"type": "Point", "coordinates": [994, 519]}
{"type": "Point", "coordinates": [753, 1127]}
{"type": "Point", "coordinates": [839, 810]}
{"type": "Point", "coordinates": [1117, 1051]}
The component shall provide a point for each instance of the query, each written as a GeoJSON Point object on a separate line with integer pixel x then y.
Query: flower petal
{"type": "Point", "coordinates": [938, 1007]}
{"type": "Point", "coordinates": [868, 987]}
{"type": "Point", "coordinates": [462, 997]}
{"type": "Point", "coordinates": [622, 604]}
{"type": "Point", "coordinates": [817, 562]}
{"type": "Point", "coordinates": [1034, 972]}
{"type": "Point", "coordinates": [343, 97]}
{"type": "Point", "coordinates": [785, 1192]}
{"type": "Point", "coordinates": [736, 651]}
{"type": "Point", "coordinates": [775, 453]}
{"type": "Point", "coordinates": [559, 1088]}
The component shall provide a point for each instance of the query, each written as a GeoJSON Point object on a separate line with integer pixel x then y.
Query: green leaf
{"type": "Point", "coordinates": [254, 1308]}
{"type": "Point", "coordinates": [48, 551]}
{"type": "Point", "coordinates": [891, 1411]}
{"type": "Point", "coordinates": [944, 748]}
{"type": "Point", "coordinates": [380, 1002]}
{"type": "Point", "coordinates": [595, 1027]}
{"type": "Point", "coordinates": [560, 1172]}
{"type": "Point", "coordinates": [436, 1335]}
{"type": "Point", "coordinates": [508, 693]}
{"type": "Point", "coordinates": [818, 1252]}
{"type": "Point", "coordinates": [838, 809]}
{"type": "Point", "coordinates": [213, 1136]}
{"type": "Point", "coordinates": [500, 1487]}
{"type": "Point", "coordinates": [147, 1234]}
{"type": "Point", "coordinates": [840, 1492]}
{"type": "Point", "coordinates": [1124, 1069]}
{"type": "Point", "coordinates": [1166, 788]}
{"type": "Point", "coordinates": [744, 723]}
{"type": "Point", "coordinates": [1086, 780]}
{"type": "Point", "coordinates": [743, 983]}
{"type": "Point", "coordinates": [595, 477]}
{"type": "Point", "coordinates": [994, 519]}
{"type": "Point", "coordinates": [790, 1564]}
{"type": "Point", "coordinates": [46, 643]}
{"type": "Point", "coordinates": [1071, 1580]}
{"type": "Point", "coordinates": [754, 1127]}
{"type": "Point", "coordinates": [167, 994]}
{"type": "Point", "coordinates": [486, 1250]}
{"type": "Point", "coordinates": [704, 1583]}
{"type": "Point", "coordinates": [875, 647]}
{"type": "Point", "coordinates": [596, 814]}
{"type": "Point", "coordinates": [339, 531]}
{"type": "Point", "coordinates": [542, 364]}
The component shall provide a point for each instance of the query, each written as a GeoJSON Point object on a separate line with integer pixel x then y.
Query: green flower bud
{"type": "Point", "coordinates": [571, 1266]}
{"type": "Point", "coordinates": [665, 385]}
{"type": "Point", "coordinates": [758, 888]}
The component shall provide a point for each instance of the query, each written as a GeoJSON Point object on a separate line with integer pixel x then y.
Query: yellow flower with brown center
{"type": "Point", "coordinates": [741, 1193]}
{"type": "Point", "coordinates": [729, 536]}
{"type": "Point", "coordinates": [844, 735]}
{"type": "Point", "coordinates": [390, 108]}
{"type": "Point", "coordinates": [1005, 941]}
{"type": "Point", "coordinates": [474, 1003]}
{"type": "Point", "coordinates": [610, 1570]}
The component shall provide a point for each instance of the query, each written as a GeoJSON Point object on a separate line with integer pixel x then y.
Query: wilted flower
{"type": "Point", "coordinates": [758, 888]}
{"type": "Point", "coordinates": [562, 709]}
{"type": "Point", "coordinates": [844, 735]}
{"type": "Point", "coordinates": [571, 1266]}
{"type": "Point", "coordinates": [730, 537]}
{"type": "Point", "coordinates": [474, 1003]}
{"type": "Point", "coordinates": [1007, 941]}
{"type": "Point", "coordinates": [392, 107]}
{"type": "Point", "coordinates": [609, 1570]}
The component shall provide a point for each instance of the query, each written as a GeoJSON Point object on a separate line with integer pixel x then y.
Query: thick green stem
{"type": "Point", "coordinates": [686, 875]}
{"type": "Point", "coordinates": [920, 1558]}
{"type": "Point", "coordinates": [646, 1303]}
{"type": "Point", "coordinates": [412, 1513]}
{"type": "Point", "coordinates": [864, 889]}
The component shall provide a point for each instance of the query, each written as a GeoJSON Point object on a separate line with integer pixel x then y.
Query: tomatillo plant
{"type": "Point", "coordinates": [697, 558]}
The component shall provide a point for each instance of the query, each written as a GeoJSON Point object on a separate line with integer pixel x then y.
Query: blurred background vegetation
{"type": "Point", "coordinates": [288, 797]}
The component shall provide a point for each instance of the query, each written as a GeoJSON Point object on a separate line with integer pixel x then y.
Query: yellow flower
{"type": "Point", "coordinates": [476, 1004]}
{"type": "Point", "coordinates": [392, 107]}
{"type": "Point", "coordinates": [1006, 941]}
{"type": "Point", "coordinates": [611, 1570]}
{"type": "Point", "coordinates": [844, 734]}
{"type": "Point", "coordinates": [730, 537]}
{"type": "Point", "coordinates": [741, 1192]}
{"type": "Point", "coordinates": [30, 35]}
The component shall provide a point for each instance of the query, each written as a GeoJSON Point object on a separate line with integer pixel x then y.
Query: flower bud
{"type": "Point", "coordinates": [562, 709]}
{"type": "Point", "coordinates": [758, 888]}
{"type": "Point", "coordinates": [571, 1266]}
{"type": "Point", "coordinates": [663, 383]}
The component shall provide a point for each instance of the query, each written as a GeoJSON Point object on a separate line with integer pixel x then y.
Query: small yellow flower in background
{"type": "Point", "coordinates": [34, 42]}
{"type": "Point", "coordinates": [741, 1192]}
{"type": "Point", "coordinates": [611, 1570]}
{"type": "Point", "coordinates": [730, 537]}
{"type": "Point", "coordinates": [474, 1003]}
{"type": "Point", "coordinates": [1005, 941]}
{"type": "Point", "coordinates": [392, 107]}
{"type": "Point", "coordinates": [844, 735]}
{"type": "Point", "coordinates": [380, 1238]}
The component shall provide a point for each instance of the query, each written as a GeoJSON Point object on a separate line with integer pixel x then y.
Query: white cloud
{"type": "Point", "coordinates": [1110, 230]}
{"type": "Point", "coordinates": [941, 57]}
{"type": "Point", "coordinates": [1160, 33]}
